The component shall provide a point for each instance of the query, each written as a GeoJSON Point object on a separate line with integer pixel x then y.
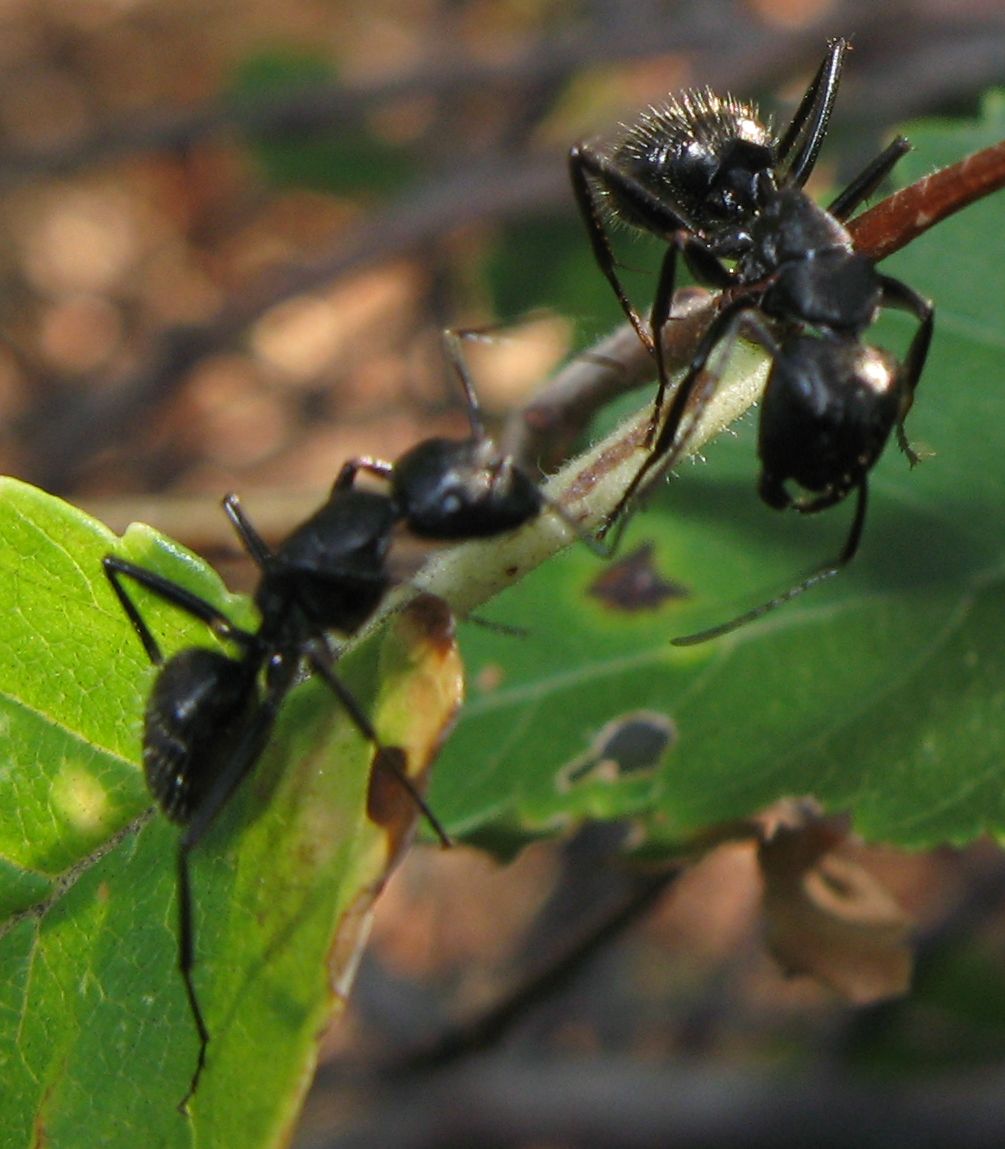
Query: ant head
{"type": "Point", "coordinates": [462, 489]}
{"type": "Point", "coordinates": [829, 408]}
{"type": "Point", "coordinates": [710, 157]}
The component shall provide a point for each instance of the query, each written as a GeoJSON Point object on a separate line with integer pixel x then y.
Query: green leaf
{"type": "Point", "coordinates": [546, 262]}
{"type": "Point", "coordinates": [879, 692]}
{"type": "Point", "coordinates": [95, 1031]}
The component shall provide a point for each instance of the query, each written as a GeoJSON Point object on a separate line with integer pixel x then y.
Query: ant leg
{"type": "Point", "coordinates": [809, 124]}
{"type": "Point", "coordinates": [390, 757]}
{"type": "Point", "coordinates": [665, 451]}
{"type": "Point", "coordinates": [597, 545]}
{"type": "Point", "coordinates": [451, 338]}
{"type": "Point", "coordinates": [116, 568]}
{"type": "Point", "coordinates": [351, 468]}
{"type": "Point", "coordinates": [899, 295]}
{"type": "Point", "coordinates": [828, 570]}
{"type": "Point", "coordinates": [586, 164]}
{"type": "Point", "coordinates": [186, 963]}
{"type": "Point", "coordinates": [867, 180]}
{"type": "Point", "coordinates": [659, 317]}
{"type": "Point", "coordinates": [247, 752]}
{"type": "Point", "coordinates": [709, 271]}
{"type": "Point", "coordinates": [251, 540]}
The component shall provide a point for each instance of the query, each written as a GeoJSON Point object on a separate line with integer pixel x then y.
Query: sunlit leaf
{"type": "Point", "coordinates": [95, 1031]}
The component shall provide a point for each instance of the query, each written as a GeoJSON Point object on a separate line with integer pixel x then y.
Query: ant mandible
{"type": "Point", "coordinates": [210, 714]}
{"type": "Point", "coordinates": [708, 176]}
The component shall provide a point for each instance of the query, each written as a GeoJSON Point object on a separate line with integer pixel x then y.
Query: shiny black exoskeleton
{"type": "Point", "coordinates": [705, 174]}
{"type": "Point", "coordinates": [210, 714]}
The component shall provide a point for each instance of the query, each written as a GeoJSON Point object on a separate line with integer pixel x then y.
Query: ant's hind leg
{"type": "Point", "coordinates": [899, 295]}
{"type": "Point", "coordinates": [390, 758]}
{"type": "Point", "coordinates": [828, 570]}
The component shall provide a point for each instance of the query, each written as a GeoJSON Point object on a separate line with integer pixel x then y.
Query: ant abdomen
{"type": "Point", "coordinates": [199, 702]}
{"type": "Point", "coordinates": [828, 411]}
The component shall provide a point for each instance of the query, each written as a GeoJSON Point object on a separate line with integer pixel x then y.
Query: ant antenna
{"type": "Point", "coordinates": [452, 337]}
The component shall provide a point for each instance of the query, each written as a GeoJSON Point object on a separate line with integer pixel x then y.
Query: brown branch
{"type": "Point", "coordinates": [904, 216]}
{"type": "Point", "coordinates": [621, 1102]}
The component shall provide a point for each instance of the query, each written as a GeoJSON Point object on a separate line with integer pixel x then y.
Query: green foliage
{"type": "Point", "coordinates": [880, 692]}
{"type": "Point", "coordinates": [546, 262]}
{"type": "Point", "coordinates": [96, 1032]}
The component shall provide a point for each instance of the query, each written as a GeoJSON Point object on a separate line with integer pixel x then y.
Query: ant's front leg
{"type": "Point", "coordinates": [586, 165]}
{"type": "Point", "coordinates": [709, 271]}
{"type": "Point", "coordinates": [172, 593]}
{"type": "Point", "coordinates": [866, 182]}
{"type": "Point", "coordinates": [351, 468]}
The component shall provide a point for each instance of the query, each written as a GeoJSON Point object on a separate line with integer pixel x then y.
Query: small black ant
{"type": "Point", "coordinates": [210, 714]}
{"type": "Point", "coordinates": [712, 179]}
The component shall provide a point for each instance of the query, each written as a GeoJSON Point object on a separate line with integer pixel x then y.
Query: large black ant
{"type": "Point", "coordinates": [708, 176]}
{"type": "Point", "coordinates": [210, 714]}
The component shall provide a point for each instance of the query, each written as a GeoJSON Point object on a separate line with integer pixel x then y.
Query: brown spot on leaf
{"type": "Point", "coordinates": [489, 678]}
{"type": "Point", "coordinates": [388, 800]}
{"type": "Point", "coordinates": [630, 746]}
{"type": "Point", "coordinates": [633, 583]}
{"type": "Point", "coordinates": [420, 693]}
{"type": "Point", "coordinates": [428, 620]}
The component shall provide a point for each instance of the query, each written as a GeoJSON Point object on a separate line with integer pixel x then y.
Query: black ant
{"type": "Point", "coordinates": [708, 176]}
{"type": "Point", "coordinates": [210, 714]}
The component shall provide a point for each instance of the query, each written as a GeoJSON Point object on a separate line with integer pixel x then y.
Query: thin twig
{"type": "Point", "coordinates": [909, 213]}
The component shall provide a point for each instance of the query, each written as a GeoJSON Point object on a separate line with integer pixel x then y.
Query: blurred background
{"type": "Point", "coordinates": [230, 233]}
